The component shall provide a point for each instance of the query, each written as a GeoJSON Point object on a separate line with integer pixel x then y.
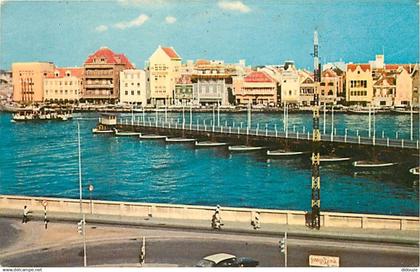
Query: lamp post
{"type": "Point", "coordinates": [80, 191]}
{"type": "Point", "coordinates": [90, 188]}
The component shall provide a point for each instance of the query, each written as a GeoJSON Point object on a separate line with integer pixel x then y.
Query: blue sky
{"type": "Point", "coordinates": [260, 31]}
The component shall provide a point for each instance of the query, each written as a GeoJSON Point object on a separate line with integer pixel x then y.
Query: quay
{"type": "Point", "coordinates": [350, 226]}
{"type": "Point", "coordinates": [401, 151]}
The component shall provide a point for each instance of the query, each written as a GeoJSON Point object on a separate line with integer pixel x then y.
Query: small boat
{"type": "Point", "coordinates": [98, 131]}
{"type": "Point", "coordinates": [179, 140]}
{"type": "Point", "coordinates": [371, 164]}
{"type": "Point", "coordinates": [152, 137]}
{"type": "Point", "coordinates": [209, 144]}
{"type": "Point", "coordinates": [126, 133]}
{"type": "Point", "coordinates": [415, 170]}
{"type": "Point", "coordinates": [333, 159]}
{"type": "Point", "coordinates": [244, 148]}
{"type": "Point", "coordinates": [405, 111]}
{"type": "Point", "coordinates": [284, 153]}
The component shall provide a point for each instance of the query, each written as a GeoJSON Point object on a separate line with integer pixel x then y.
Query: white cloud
{"type": "Point", "coordinates": [170, 19]}
{"type": "Point", "coordinates": [234, 6]}
{"type": "Point", "coordinates": [101, 28]}
{"type": "Point", "coordinates": [141, 19]}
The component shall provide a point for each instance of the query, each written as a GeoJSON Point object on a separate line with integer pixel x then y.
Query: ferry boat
{"type": "Point", "coordinates": [244, 148]}
{"type": "Point", "coordinates": [333, 159]}
{"type": "Point", "coordinates": [126, 133]}
{"type": "Point", "coordinates": [281, 153]}
{"type": "Point", "coordinates": [30, 114]}
{"type": "Point", "coordinates": [209, 144]}
{"type": "Point", "coordinates": [372, 164]}
{"type": "Point", "coordinates": [415, 170]}
{"type": "Point", "coordinates": [151, 137]}
{"type": "Point", "coordinates": [179, 140]}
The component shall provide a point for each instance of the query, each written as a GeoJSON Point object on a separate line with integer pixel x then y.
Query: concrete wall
{"type": "Point", "coordinates": [229, 214]}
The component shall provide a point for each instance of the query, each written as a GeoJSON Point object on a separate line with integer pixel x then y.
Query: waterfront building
{"type": "Point", "coordinates": [403, 86]}
{"type": "Point", "coordinates": [6, 86]}
{"type": "Point", "coordinates": [257, 88]}
{"type": "Point", "coordinates": [384, 90]}
{"type": "Point", "coordinates": [164, 69]}
{"type": "Point", "coordinates": [102, 76]}
{"type": "Point", "coordinates": [184, 91]}
{"type": "Point", "coordinates": [359, 84]}
{"type": "Point", "coordinates": [289, 84]}
{"type": "Point", "coordinates": [331, 86]}
{"type": "Point", "coordinates": [212, 82]}
{"type": "Point", "coordinates": [133, 87]}
{"type": "Point", "coordinates": [415, 86]}
{"type": "Point", "coordinates": [28, 81]}
{"type": "Point", "coordinates": [306, 88]}
{"type": "Point", "coordinates": [63, 85]}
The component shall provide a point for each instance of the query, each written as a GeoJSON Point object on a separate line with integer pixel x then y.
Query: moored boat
{"type": "Point", "coordinates": [209, 144]}
{"type": "Point", "coordinates": [372, 164]}
{"type": "Point", "coordinates": [151, 137]}
{"type": "Point", "coordinates": [415, 170]}
{"type": "Point", "coordinates": [284, 153]}
{"type": "Point", "coordinates": [126, 133]}
{"type": "Point", "coordinates": [333, 159]}
{"type": "Point", "coordinates": [99, 131]}
{"type": "Point", "coordinates": [244, 148]}
{"type": "Point", "coordinates": [179, 140]}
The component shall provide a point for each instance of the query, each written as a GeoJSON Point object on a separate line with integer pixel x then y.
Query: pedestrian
{"type": "Point", "coordinates": [25, 215]}
{"type": "Point", "coordinates": [255, 220]}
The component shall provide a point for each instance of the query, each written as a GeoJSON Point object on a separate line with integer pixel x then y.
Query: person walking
{"type": "Point", "coordinates": [25, 215]}
{"type": "Point", "coordinates": [255, 221]}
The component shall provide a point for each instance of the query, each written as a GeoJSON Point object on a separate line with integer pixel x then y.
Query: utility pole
{"type": "Point", "coordinates": [316, 141]}
{"type": "Point", "coordinates": [283, 248]}
{"type": "Point", "coordinates": [83, 221]}
{"type": "Point", "coordinates": [249, 115]}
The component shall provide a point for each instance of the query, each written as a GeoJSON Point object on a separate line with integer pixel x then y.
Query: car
{"type": "Point", "coordinates": [226, 260]}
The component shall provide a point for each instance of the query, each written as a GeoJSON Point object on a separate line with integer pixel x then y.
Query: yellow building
{"type": "Point", "coordinates": [359, 84]}
{"type": "Point", "coordinates": [63, 85]}
{"type": "Point", "coordinates": [164, 70]}
{"type": "Point", "coordinates": [28, 81]}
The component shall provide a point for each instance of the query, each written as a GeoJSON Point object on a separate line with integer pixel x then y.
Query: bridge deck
{"type": "Point", "coordinates": [269, 133]}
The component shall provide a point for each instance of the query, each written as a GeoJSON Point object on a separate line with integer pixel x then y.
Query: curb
{"type": "Point", "coordinates": [291, 233]}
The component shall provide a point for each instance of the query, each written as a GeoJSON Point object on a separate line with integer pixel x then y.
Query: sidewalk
{"type": "Point", "coordinates": [379, 235]}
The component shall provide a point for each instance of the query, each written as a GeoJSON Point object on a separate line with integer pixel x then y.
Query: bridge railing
{"type": "Point", "coordinates": [267, 132]}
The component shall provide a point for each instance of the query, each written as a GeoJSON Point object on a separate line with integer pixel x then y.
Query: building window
{"type": "Point", "coordinates": [126, 92]}
{"type": "Point", "coordinates": [132, 92]}
{"type": "Point", "coordinates": [138, 92]}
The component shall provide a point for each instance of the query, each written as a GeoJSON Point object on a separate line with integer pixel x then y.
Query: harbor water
{"type": "Point", "coordinates": [41, 159]}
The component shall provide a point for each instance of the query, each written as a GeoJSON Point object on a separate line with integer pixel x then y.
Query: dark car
{"type": "Point", "coordinates": [226, 260]}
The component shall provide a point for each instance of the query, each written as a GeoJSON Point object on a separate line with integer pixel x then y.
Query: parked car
{"type": "Point", "coordinates": [226, 260]}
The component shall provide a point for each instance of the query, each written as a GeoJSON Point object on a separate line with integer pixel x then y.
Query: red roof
{"type": "Point", "coordinates": [353, 67]}
{"type": "Point", "coordinates": [74, 71]}
{"type": "Point", "coordinates": [110, 57]}
{"type": "Point", "coordinates": [329, 73]}
{"type": "Point", "coordinates": [202, 62]}
{"type": "Point", "coordinates": [391, 66]}
{"type": "Point", "coordinates": [258, 77]}
{"type": "Point", "coordinates": [184, 79]}
{"type": "Point", "coordinates": [170, 52]}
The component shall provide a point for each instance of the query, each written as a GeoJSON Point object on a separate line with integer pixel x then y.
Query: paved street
{"type": "Point", "coordinates": [61, 245]}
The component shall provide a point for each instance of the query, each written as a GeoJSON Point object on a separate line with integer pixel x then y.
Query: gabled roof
{"type": "Point", "coordinates": [110, 57]}
{"type": "Point", "coordinates": [184, 79]}
{"type": "Point", "coordinates": [329, 73]}
{"type": "Point", "coordinates": [353, 67]}
{"type": "Point", "coordinates": [258, 77]}
{"type": "Point", "coordinates": [385, 78]}
{"type": "Point", "coordinates": [170, 52]}
{"type": "Point", "coordinates": [74, 71]}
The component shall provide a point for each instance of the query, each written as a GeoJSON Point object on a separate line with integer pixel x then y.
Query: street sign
{"type": "Point", "coordinates": [324, 261]}
{"type": "Point", "coordinates": [44, 203]}
{"type": "Point", "coordinates": [90, 187]}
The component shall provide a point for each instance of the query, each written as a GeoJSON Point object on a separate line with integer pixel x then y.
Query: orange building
{"type": "Point", "coordinates": [101, 79]}
{"type": "Point", "coordinates": [28, 81]}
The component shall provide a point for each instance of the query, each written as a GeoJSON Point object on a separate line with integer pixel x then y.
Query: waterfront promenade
{"type": "Point", "coordinates": [392, 240]}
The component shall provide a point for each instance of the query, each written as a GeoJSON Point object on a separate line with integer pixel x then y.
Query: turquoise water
{"type": "Point", "coordinates": [40, 159]}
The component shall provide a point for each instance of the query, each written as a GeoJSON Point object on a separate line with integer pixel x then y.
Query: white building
{"type": "Point", "coordinates": [133, 87]}
{"type": "Point", "coordinates": [289, 84]}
